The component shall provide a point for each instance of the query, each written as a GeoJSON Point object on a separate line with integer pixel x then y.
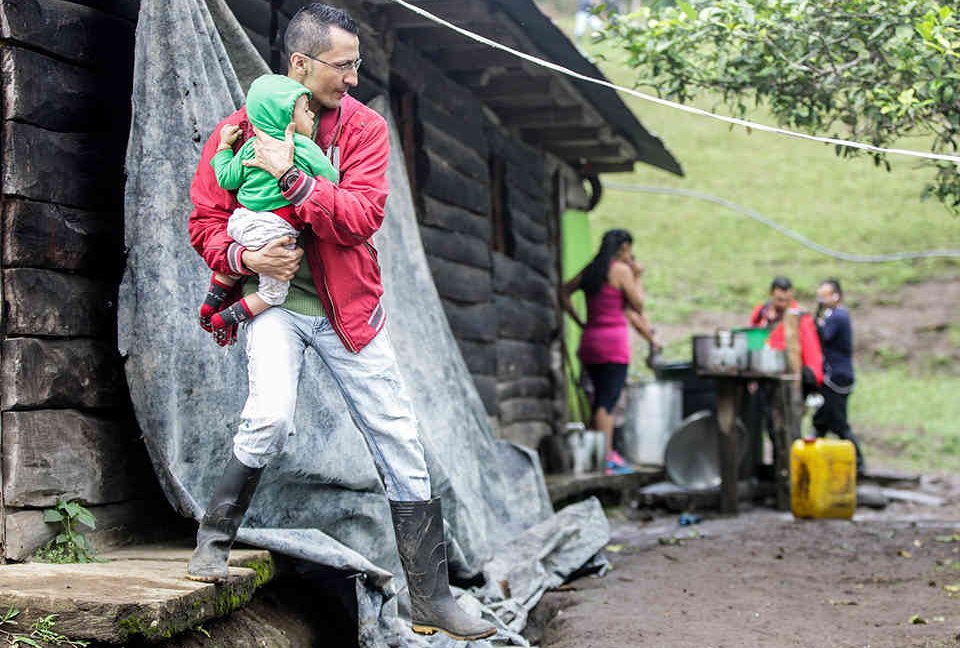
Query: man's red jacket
{"type": "Point", "coordinates": [339, 218]}
{"type": "Point", "coordinates": [810, 353]}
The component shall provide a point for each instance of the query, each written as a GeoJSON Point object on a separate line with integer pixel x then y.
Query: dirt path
{"type": "Point", "coordinates": [765, 580]}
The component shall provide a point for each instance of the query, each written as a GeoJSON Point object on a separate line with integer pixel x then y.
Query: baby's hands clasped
{"type": "Point", "coordinates": [228, 135]}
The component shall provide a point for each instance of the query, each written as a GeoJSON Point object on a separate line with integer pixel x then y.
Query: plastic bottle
{"type": "Point", "coordinates": [823, 478]}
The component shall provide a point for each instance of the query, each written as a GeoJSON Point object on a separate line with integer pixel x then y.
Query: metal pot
{"type": "Point", "coordinates": [767, 360]}
{"type": "Point", "coordinates": [654, 409]}
{"type": "Point", "coordinates": [723, 352]}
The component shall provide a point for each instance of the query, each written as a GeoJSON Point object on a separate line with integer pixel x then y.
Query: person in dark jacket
{"type": "Point", "coordinates": [836, 336]}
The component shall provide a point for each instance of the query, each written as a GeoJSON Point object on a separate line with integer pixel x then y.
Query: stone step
{"type": "Point", "coordinates": [136, 592]}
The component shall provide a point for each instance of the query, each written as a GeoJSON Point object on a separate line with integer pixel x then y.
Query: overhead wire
{"type": "Point", "coordinates": [786, 231]}
{"type": "Point", "coordinates": [671, 104]}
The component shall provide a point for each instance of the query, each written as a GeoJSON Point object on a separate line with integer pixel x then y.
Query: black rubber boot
{"type": "Point", "coordinates": [423, 552]}
{"type": "Point", "coordinates": [220, 523]}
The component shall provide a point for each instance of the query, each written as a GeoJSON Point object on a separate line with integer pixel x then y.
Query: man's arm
{"type": "Point", "coordinates": [207, 226]}
{"type": "Point", "coordinates": [810, 351]}
{"type": "Point", "coordinates": [348, 213]}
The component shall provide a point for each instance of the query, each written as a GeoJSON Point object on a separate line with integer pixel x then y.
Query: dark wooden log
{"type": "Point", "coordinates": [526, 433]}
{"type": "Point", "coordinates": [460, 283]}
{"type": "Point", "coordinates": [80, 170]}
{"type": "Point", "coordinates": [525, 409]}
{"type": "Point", "coordinates": [126, 9]}
{"type": "Point", "coordinates": [53, 454]}
{"type": "Point", "coordinates": [376, 61]}
{"type": "Point", "coordinates": [477, 322]}
{"type": "Point", "coordinates": [464, 11]}
{"type": "Point", "coordinates": [517, 359]}
{"type": "Point", "coordinates": [431, 38]}
{"type": "Point", "coordinates": [461, 157]}
{"type": "Point", "coordinates": [440, 180]}
{"type": "Point", "coordinates": [537, 257]}
{"type": "Point", "coordinates": [455, 219]}
{"type": "Point", "coordinates": [535, 387]}
{"type": "Point", "coordinates": [44, 235]}
{"type": "Point", "coordinates": [513, 278]}
{"type": "Point", "coordinates": [540, 118]}
{"type": "Point", "coordinates": [60, 373]}
{"type": "Point", "coordinates": [522, 320]}
{"type": "Point", "coordinates": [139, 521]}
{"type": "Point", "coordinates": [609, 167]}
{"type": "Point", "coordinates": [470, 57]}
{"type": "Point", "coordinates": [455, 246]}
{"type": "Point", "coordinates": [467, 129]}
{"type": "Point", "coordinates": [71, 98]}
{"type": "Point", "coordinates": [529, 227]}
{"type": "Point", "coordinates": [521, 200]}
{"type": "Point", "coordinates": [260, 42]}
{"type": "Point", "coordinates": [69, 30]}
{"type": "Point", "coordinates": [481, 357]}
{"type": "Point", "coordinates": [487, 388]}
{"type": "Point", "coordinates": [48, 303]}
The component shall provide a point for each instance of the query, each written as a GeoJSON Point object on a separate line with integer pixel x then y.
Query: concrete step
{"type": "Point", "coordinates": [136, 592]}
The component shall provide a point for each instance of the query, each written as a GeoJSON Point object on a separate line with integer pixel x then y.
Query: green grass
{"type": "Point", "coordinates": [702, 257]}
{"type": "Point", "coordinates": [908, 421]}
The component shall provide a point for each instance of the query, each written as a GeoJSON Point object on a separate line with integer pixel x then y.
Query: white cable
{"type": "Point", "coordinates": [796, 236]}
{"type": "Point", "coordinates": [664, 102]}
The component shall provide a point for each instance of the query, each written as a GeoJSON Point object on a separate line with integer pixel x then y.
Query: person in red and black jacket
{"type": "Point", "coordinates": [770, 314]}
{"type": "Point", "coordinates": [339, 314]}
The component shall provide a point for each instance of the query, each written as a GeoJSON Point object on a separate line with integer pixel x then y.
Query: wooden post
{"type": "Point", "coordinates": [786, 408]}
{"type": "Point", "coordinates": [728, 389]}
{"type": "Point", "coordinates": [791, 329]}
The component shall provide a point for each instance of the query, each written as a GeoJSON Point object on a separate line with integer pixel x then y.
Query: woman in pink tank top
{"type": "Point", "coordinates": [614, 302]}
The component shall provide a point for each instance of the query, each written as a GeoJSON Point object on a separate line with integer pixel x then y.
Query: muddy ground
{"type": "Point", "coordinates": [887, 579]}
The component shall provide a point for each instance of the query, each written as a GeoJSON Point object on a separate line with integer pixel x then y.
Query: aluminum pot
{"type": "Point", "coordinates": [724, 351]}
{"type": "Point", "coordinates": [768, 361]}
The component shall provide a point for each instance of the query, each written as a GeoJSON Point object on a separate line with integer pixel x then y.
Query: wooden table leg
{"type": "Point", "coordinates": [787, 412]}
{"type": "Point", "coordinates": [727, 391]}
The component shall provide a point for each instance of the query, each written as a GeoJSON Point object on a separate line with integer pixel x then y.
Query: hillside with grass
{"type": "Point", "coordinates": [707, 265]}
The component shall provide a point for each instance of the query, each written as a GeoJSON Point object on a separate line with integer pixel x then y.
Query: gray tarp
{"type": "Point", "coordinates": [321, 500]}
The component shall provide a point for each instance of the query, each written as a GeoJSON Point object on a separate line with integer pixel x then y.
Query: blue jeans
{"type": "Point", "coordinates": [369, 381]}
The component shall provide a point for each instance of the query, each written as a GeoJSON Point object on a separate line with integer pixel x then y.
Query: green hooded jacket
{"type": "Point", "coordinates": [270, 102]}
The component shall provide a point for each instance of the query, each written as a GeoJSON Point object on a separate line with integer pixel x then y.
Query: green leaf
{"type": "Point", "coordinates": [86, 518]}
{"type": "Point", "coordinates": [72, 509]}
{"type": "Point", "coordinates": [688, 9]}
{"type": "Point", "coordinates": [20, 639]}
{"type": "Point", "coordinates": [52, 515]}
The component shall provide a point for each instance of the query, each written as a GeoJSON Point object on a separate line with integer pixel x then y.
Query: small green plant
{"type": "Point", "coordinates": [69, 545]}
{"type": "Point", "coordinates": [42, 632]}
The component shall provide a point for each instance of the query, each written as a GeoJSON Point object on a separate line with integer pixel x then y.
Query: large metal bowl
{"type": "Point", "coordinates": [692, 458]}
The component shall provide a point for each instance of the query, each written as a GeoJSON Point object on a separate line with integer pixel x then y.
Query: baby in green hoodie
{"type": "Point", "coordinates": [273, 101]}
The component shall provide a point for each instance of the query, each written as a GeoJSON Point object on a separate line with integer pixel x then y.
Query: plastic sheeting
{"type": "Point", "coordinates": [322, 500]}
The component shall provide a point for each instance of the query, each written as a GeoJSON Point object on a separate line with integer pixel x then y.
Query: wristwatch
{"type": "Point", "coordinates": [289, 177]}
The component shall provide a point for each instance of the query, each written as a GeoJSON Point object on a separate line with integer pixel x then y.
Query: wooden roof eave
{"type": "Point", "coordinates": [543, 107]}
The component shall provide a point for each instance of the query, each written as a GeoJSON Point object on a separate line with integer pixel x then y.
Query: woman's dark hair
{"type": "Point", "coordinates": [596, 271]}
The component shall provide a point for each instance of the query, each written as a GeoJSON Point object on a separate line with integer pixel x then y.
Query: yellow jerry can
{"type": "Point", "coordinates": [823, 478]}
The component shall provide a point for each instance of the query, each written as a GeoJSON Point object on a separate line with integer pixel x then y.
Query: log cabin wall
{"type": "Point", "coordinates": [68, 429]}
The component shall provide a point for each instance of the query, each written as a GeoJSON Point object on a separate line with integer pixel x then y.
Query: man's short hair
{"type": "Point", "coordinates": [309, 30]}
{"type": "Point", "coordinates": [781, 283]}
{"type": "Point", "coordinates": [834, 283]}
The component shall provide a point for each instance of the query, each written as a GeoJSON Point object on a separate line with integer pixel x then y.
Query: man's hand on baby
{"type": "Point", "coordinates": [228, 135]}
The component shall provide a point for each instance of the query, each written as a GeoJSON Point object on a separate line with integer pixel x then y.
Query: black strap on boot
{"type": "Point", "coordinates": [423, 553]}
{"type": "Point", "coordinates": [220, 523]}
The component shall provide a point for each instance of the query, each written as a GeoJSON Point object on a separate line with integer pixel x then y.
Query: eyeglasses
{"type": "Point", "coordinates": [341, 68]}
